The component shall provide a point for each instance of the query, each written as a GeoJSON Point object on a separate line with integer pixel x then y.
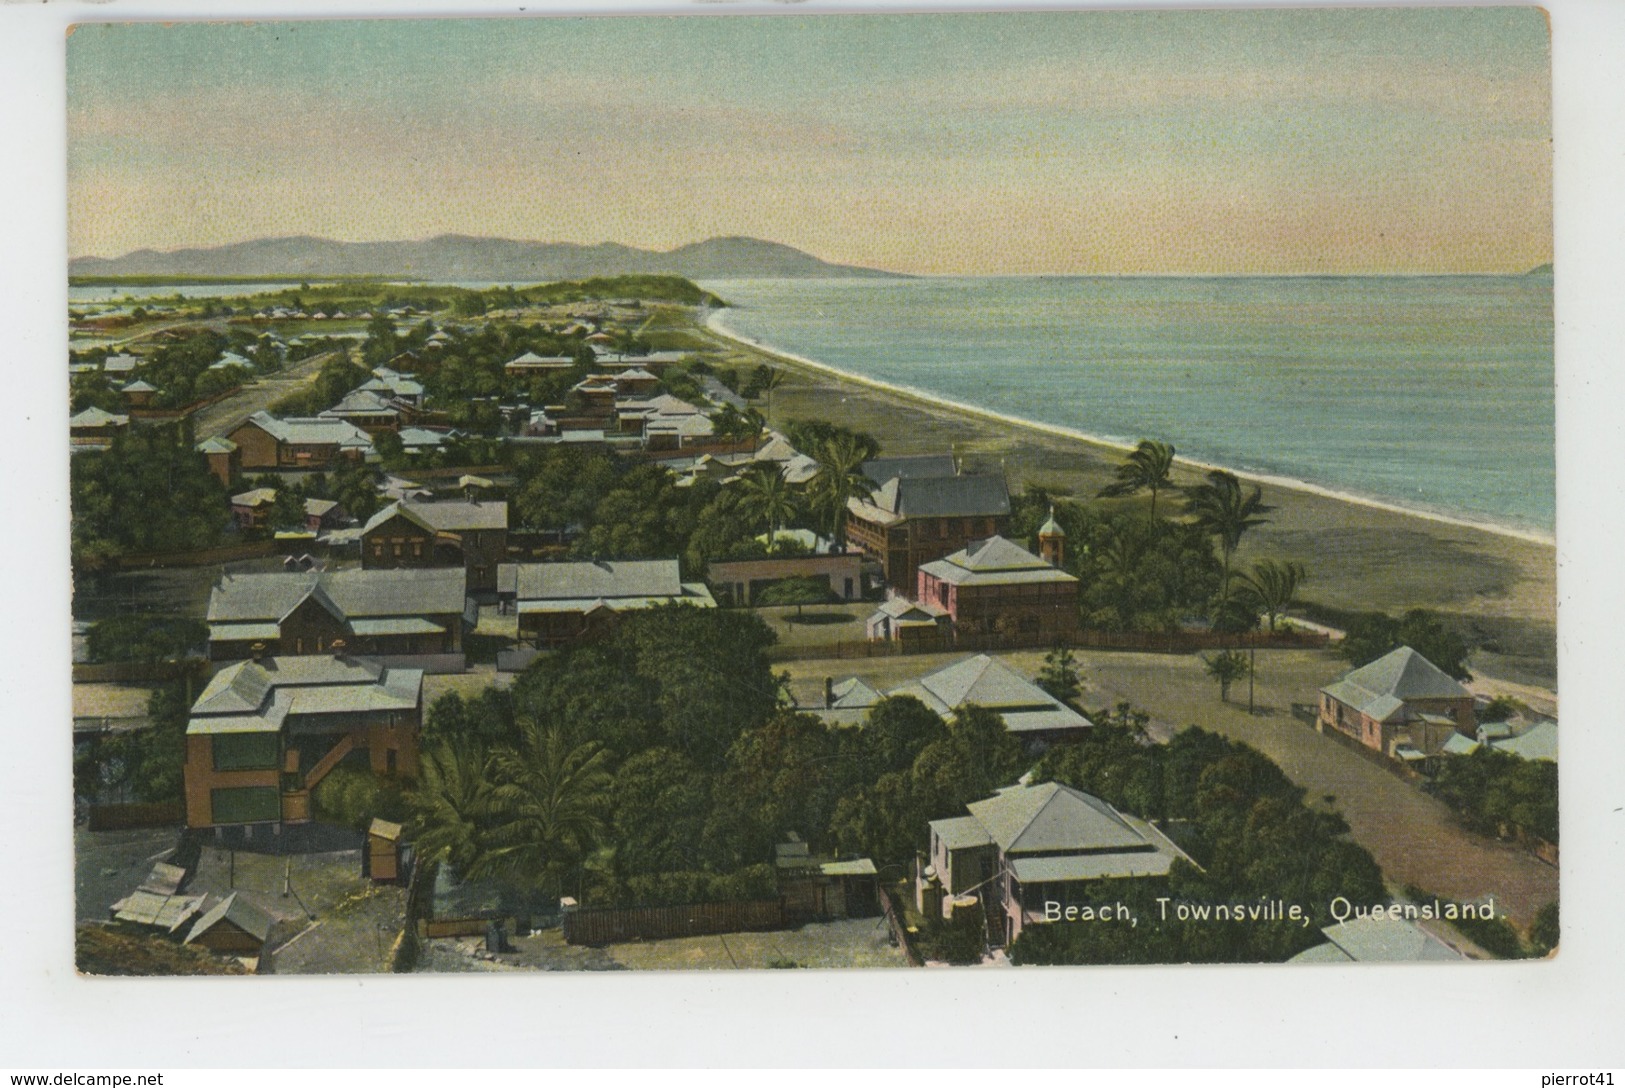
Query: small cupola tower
{"type": "Point", "coordinates": [1052, 541]}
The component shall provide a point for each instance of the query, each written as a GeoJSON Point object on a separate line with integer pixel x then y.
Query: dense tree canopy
{"type": "Point", "coordinates": [150, 491]}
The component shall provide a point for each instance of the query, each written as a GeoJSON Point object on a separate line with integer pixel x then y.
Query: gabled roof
{"type": "Point", "coordinates": [258, 696]}
{"type": "Point", "coordinates": [237, 911]}
{"type": "Point", "coordinates": [217, 444]}
{"type": "Point", "coordinates": [445, 517]}
{"type": "Point", "coordinates": [140, 386]}
{"type": "Point", "coordinates": [594, 580]}
{"type": "Point", "coordinates": [241, 598]}
{"type": "Point", "coordinates": [881, 469]}
{"type": "Point", "coordinates": [1538, 742]}
{"type": "Point", "coordinates": [257, 497]}
{"type": "Point", "coordinates": [1381, 688]}
{"type": "Point", "coordinates": [312, 431]}
{"type": "Point", "coordinates": [937, 496]}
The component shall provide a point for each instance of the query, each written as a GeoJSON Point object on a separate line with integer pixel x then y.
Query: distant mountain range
{"type": "Point", "coordinates": [450, 257]}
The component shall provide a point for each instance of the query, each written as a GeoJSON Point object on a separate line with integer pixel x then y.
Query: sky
{"type": "Point", "coordinates": [1226, 142]}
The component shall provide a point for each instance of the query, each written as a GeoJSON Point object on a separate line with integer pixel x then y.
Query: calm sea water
{"type": "Point", "coordinates": [1435, 393]}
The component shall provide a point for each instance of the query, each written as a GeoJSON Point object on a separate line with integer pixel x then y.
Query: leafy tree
{"type": "Point", "coordinates": [1498, 793]}
{"type": "Point", "coordinates": [549, 808]}
{"type": "Point", "coordinates": [1271, 587]}
{"type": "Point", "coordinates": [796, 591]}
{"type": "Point", "coordinates": [1545, 931]}
{"type": "Point", "coordinates": [781, 776]}
{"type": "Point", "coordinates": [151, 491]}
{"type": "Point", "coordinates": [1372, 635]}
{"type": "Point", "coordinates": [1224, 511]}
{"type": "Point", "coordinates": [145, 638]}
{"type": "Point", "coordinates": [767, 497]}
{"type": "Point", "coordinates": [1059, 677]}
{"type": "Point", "coordinates": [450, 801]}
{"type": "Point", "coordinates": [1145, 469]}
{"type": "Point", "coordinates": [839, 479]}
{"type": "Point", "coordinates": [287, 509]}
{"type": "Point", "coordinates": [660, 802]}
{"type": "Point", "coordinates": [1227, 667]}
{"type": "Point", "coordinates": [894, 734]}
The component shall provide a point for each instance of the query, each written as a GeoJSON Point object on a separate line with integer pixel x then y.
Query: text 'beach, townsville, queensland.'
{"type": "Point", "coordinates": [1434, 393]}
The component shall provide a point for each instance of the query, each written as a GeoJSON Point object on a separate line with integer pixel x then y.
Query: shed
{"type": "Point", "coordinates": [233, 925]}
{"type": "Point", "coordinates": [383, 851]}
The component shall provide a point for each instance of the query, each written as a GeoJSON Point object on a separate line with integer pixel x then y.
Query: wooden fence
{"type": "Point", "coordinates": [1164, 642]}
{"type": "Point", "coordinates": [118, 817]}
{"type": "Point", "coordinates": [655, 923]}
{"type": "Point", "coordinates": [202, 557]}
{"type": "Point", "coordinates": [125, 672]}
{"type": "Point", "coordinates": [899, 930]}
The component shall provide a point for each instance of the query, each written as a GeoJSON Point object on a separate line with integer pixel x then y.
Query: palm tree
{"type": "Point", "coordinates": [1272, 585]}
{"type": "Point", "coordinates": [550, 807]}
{"type": "Point", "coordinates": [767, 496]}
{"type": "Point", "coordinates": [1145, 469]}
{"type": "Point", "coordinates": [839, 479]}
{"type": "Point", "coordinates": [448, 804]}
{"type": "Point", "coordinates": [1224, 511]}
{"type": "Point", "coordinates": [1227, 668]}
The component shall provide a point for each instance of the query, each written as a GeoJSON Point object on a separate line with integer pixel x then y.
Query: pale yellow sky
{"type": "Point", "coordinates": [1410, 140]}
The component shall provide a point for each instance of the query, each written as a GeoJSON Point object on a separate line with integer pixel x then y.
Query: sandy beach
{"type": "Point", "coordinates": [1498, 583]}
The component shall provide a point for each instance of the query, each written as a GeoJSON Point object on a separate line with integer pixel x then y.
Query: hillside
{"type": "Point", "coordinates": [455, 257]}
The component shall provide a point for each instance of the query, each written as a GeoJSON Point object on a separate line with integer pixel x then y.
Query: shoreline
{"type": "Point", "coordinates": [714, 325]}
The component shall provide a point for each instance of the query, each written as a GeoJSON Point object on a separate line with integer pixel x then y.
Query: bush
{"type": "Point", "coordinates": [145, 638]}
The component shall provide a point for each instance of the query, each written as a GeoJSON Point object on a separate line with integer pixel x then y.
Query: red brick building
{"type": "Point", "coordinates": [918, 515]}
{"type": "Point", "coordinates": [473, 535]}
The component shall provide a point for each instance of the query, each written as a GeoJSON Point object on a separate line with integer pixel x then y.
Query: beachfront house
{"type": "Point", "coordinates": [997, 587]}
{"type": "Point", "coordinates": [922, 513]}
{"type": "Point", "coordinates": [1029, 852]}
{"type": "Point", "coordinates": [1401, 705]}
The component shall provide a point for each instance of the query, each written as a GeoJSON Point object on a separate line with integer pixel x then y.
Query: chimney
{"type": "Point", "coordinates": [829, 692]}
{"type": "Point", "coordinates": [257, 651]}
{"type": "Point", "coordinates": [338, 648]}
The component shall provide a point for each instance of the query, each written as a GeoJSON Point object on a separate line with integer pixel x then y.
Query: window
{"type": "Point", "coordinates": [397, 550]}
{"type": "Point", "coordinates": [417, 549]}
{"type": "Point", "coordinates": [249, 804]}
{"type": "Point", "coordinates": [378, 548]}
{"type": "Point", "coordinates": [245, 751]}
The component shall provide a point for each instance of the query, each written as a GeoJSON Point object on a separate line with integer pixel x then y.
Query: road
{"type": "Point", "coordinates": [224, 416]}
{"type": "Point", "coordinates": [1413, 837]}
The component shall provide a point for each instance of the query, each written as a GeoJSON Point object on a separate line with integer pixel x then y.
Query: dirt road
{"type": "Point", "coordinates": [225, 415]}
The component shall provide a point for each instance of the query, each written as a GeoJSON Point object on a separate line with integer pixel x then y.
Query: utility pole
{"type": "Point", "coordinates": [1252, 667]}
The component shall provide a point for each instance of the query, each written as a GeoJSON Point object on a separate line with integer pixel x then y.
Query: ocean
{"type": "Point", "coordinates": [1435, 393]}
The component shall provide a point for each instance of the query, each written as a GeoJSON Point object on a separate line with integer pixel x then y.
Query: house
{"type": "Point", "coordinates": [995, 586]}
{"type": "Point", "coordinates": [322, 515]}
{"type": "Point", "coordinates": [371, 410]}
{"type": "Point", "coordinates": [1399, 701]}
{"type": "Point", "coordinates": [1030, 712]}
{"type": "Point", "coordinates": [914, 518]}
{"type": "Point", "coordinates": [899, 619]}
{"type": "Point", "coordinates": [559, 603]}
{"type": "Point", "coordinates": [472, 535]}
{"type": "Point", "coordinates": [264, 733]}
{"type": "Point", "coordinates": [121, 365]}
{"type": "Point", "coordinates": [1373, 939]}
{"type": "Point", "coordinates": [422, 440]}
{"type": "Point", "coordinates": [94, 429]}
{"type": "Point", "coordinates": [225, 459]}
{"type": "Point", "coordinates": [530, 363]}
{"type": "Point", "coordinates": [824, 888]}
{"type": "Point", "coordinates": [1029, 852]}
{"type": "Point", "coordinates": [263, 441]}
{"type": "Point", "coordinates": [1531, 740]}
{"type": "Point", "coordinates": [635, 381]}
{"type": "Point", "coordinates": [406, 617]}
{"type": "Point", "coordinates": [233, 926]}
{"type": "Point", "coordinates": [140, 394]}
{"type": "Point", "coordinates": [252, 509]}
{"type": "Point", "coordinates": [739, 581]}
